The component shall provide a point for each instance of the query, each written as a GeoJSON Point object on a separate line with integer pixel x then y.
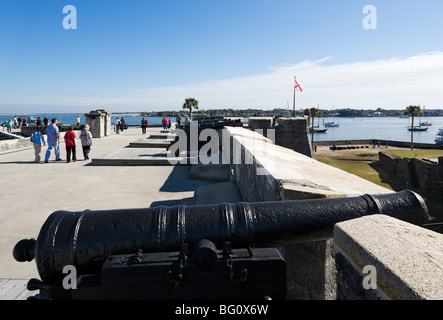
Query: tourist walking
{"type": "Point", "coordinates": [165, 122]}
{"type": "Point", "coordinates": [8, 125]}
{"type": "Point", "coordinates": [46, 121]}
{"type": "Point", "coordinates": [38, 138]}
{"type": "Point", "coordinates": [77, 122]}
{"type": "Point", "coordinates": [178, 119]}
{"type": "Point", "coordinates": [53, 134]}
{"type": "Point", "coordinates": [117, 125]}
{"type": "Point", "coordinates": [144, 125]}
{"type": "Point", "coordinates": [38, 121]}
{"type": "Point", "coordinates": [169, 123]}
{"type": "Point", "coordinates": [70, 145]}
{"type": "Point", "coordinates": [122, 124]}
{"type": "Point", "coordinates": [86, 140]}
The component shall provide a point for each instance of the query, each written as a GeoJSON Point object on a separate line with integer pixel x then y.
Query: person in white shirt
{"type": "Point", "coordinates": [117, 125]}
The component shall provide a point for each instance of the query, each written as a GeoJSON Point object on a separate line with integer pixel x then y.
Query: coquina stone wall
{"type": "Point", "coordinates": [291, 133]}
{"type": "Point", "coordinates": [420, 174]}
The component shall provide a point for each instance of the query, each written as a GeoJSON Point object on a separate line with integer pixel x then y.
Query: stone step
{"type": "Point", "coordinates": [140, 157]}
{"type": "Point", "coordinates": [151, 143]}
{"type": "Point", "coordinates": [163, 136]}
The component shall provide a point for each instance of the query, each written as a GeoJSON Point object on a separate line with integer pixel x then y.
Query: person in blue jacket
{"type": "Point", "coordinates": [38, 138]}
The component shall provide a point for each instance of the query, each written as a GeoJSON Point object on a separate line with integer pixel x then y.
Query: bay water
{"type": "Point", "coordinates": [383, 128]}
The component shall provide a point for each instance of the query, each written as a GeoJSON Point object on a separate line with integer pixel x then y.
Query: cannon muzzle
{"type": "Point", "coordinates": [85, 239]}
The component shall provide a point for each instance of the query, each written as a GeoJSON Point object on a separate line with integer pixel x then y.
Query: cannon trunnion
{"type": "Point", "coordinates": [163, 248]}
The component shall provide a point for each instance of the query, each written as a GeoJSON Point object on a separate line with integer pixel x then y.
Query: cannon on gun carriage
{"type": "Point", "coordinates": [223, 251]}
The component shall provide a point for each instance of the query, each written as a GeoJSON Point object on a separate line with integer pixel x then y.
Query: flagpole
{"type": "Point", "coordinates": [293, 108]}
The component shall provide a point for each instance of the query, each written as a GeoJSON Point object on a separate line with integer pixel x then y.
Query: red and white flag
{"type": "Point", "coordinates": [297, 85]}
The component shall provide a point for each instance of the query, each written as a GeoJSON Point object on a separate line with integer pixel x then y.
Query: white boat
{"type": "Point", "coordinates": [439, 137]}
{"type": "Point", "coordinates": [425, 123]}
{"type": "Point", "coordinates": [332, 125]}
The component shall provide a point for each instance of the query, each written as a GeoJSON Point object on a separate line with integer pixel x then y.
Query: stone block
{"type": "Point", "coordinates": [407, 260]}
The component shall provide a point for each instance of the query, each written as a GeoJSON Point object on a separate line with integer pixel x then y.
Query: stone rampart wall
{"type": "Point", "coordinates": [421, 174]}
{"type": "Point", "coordinates": [268, 172]}
{"type": "Point", "coordinates": [291, 133]}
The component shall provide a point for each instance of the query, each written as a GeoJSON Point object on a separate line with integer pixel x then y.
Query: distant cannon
{"type": "Point", "coordinates": [88, 239]}
{"type": "Point", "coordinates": [192, 132]}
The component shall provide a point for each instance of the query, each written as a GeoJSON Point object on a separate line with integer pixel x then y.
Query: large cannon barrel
{"type": "Point", "coordinates": [84, 239]}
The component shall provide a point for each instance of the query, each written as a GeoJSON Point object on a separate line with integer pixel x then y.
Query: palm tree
{"type": "Point", "coordinates": [190, 103]}
{"type": "Point", "coordinates": [413, 111]}
{"type": "Point", "coordinates": [314, 112]}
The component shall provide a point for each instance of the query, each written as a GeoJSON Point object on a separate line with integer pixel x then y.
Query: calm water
{"type": "Point", "coordinates": [389, 128]}
{"type": "Point", "coordinates": [385, 128]}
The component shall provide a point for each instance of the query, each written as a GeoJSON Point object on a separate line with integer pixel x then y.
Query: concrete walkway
{"type": "Point", "coordinates": [30, 192]}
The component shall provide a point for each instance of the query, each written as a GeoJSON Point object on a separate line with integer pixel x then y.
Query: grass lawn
{"type": "Point", "coordinates": [365, 164]}
{"type": "Point", "coordinates": [419, 153]}
{"type": "Point", "coordinates": [362, 164]}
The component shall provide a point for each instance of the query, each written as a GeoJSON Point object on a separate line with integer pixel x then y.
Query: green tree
{"type": "Point", "coordinates": [313, 112]}
{"type": "Point", "coordinates": [190, 103]}
{"type": "Point", "coordinates": [413, 111]}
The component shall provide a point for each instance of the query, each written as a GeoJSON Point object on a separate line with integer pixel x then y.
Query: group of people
{"type": "Point", "coordinates": [166, 124]}
{"type": "Point", "coordinates": [120, 125]}
{"type": "Point", "coordinates": [53, 141]}
{"type": "Point", "coordinates": [15, 123]}
{"type": "Point", "coordinates": [19, 122]}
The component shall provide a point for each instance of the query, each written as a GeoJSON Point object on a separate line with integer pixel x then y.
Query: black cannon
{"type": "Point", "coordinates": [192, 132]}
{"type": "Point", "coordinates": [96, 242]}
{"type": "Point", "coordinates": [211, 123]}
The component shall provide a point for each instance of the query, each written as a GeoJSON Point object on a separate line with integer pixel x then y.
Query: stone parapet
{"type": "Point", "coordinates": [291, 133]}
{"type": "Point", "coordinates": [287, 174]}
{"type": "Point", "coordinates": [264, 171]}
{"type": "Point", "coordinates": [382, 258]}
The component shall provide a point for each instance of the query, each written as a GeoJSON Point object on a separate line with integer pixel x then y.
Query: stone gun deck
{"type": "Point", "coordinates": [151, 143]}
{"type": "Point", "coordinates": [14, 289]}
{"type": "Point", "coordinates": [139, 157]}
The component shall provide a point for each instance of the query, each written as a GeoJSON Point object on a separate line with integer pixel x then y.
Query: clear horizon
{"type": "Point", "coordinates": [152, 55]}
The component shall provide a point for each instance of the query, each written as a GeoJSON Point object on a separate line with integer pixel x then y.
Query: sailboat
{"type": "Point", "coordinates": [425, 123]}
{"type": "Point", "coordinates": [417, 128]}
{"type": "Point", "coordinates": [331, 124]}
{"type": "Point", "coordinates": [316, 128]}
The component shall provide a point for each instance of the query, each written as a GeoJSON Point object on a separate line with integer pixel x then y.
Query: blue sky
{"type": "Point", "coordinates": [150, 55]}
